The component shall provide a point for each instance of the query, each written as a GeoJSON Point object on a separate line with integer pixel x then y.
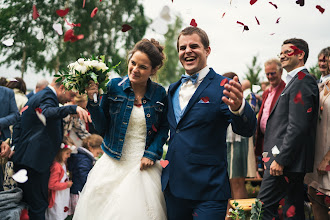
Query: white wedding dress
{"type": "Point", "coordinates": [119, 190]}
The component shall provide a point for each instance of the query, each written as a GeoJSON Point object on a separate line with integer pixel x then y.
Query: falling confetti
{"type": "Point", "coordinates": [24, 108]}
{"type": "Point", "coordinates": [265, 159]}
{"type": "Point", "coordinates": [154, 128]}
{"type": "Point", "coordinates": [40, 35]}
{"type": "Point", "coordinates": [69, 36]}
{"type": "Point", "coordinates": [62, 13]}
{"type": "Point", "coordinates": [291, 211]}
{"type": "Point", "coordinates": [20, 176]}
{"type": "Point", "coordinates": [278, 20]}
{"type": "Point", "coordinates": [223, 82]}
{"type": "Point", "coordinates": [309, 110]}
{"type": "Point", "coordinates": [193, 23]}
{"type": "Point", "coordinates": [164, 163]}
{"type": "Point", "coordinates": [253, 1]}
{"type": "Point", "coordinates": [257, 20]}
{"type": "Point", "coordinates": [126, 27]}
{"type": "Point", "coordinates": [320, 8]}
{"type": "Point", "coordinates": [301, 75]}
{"type": "Point", "coordinates": [72, 24]}
{"type": "Point", "coordinates": [286, 179]}
{"type": "Point", "coordinates": [223, 15]}
{"type": "Point", "coordinates": [275, 151]}
{"type": "Point", "coordinates": [41, 117]}
{"type": "Point", "coordinates": [58, 28]}
{"type": "Point", "coordinates": [298, 98]}
{"type": "Point", "coordinates": [246, 28]}
{"type": "Point", "coordinates": [8, 42]}
{"type": "Point", "coordinates": [300, 2]}
{"type": "Point", "coordinates": [273, 4]}
{"type": "Point", "coordinates": [296, 51]}
{"type": "Point", "coordinates": [94, 12]}
{"type": "Point", "coordinates": [35, 13]}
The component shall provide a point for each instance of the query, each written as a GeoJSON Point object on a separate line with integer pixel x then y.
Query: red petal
{"type": "Point", "coordinates": [319, 194]}
{"type": "Point", "coordinates": [62, 13]}
{"type": "Point", "coordinates": [84, 3]}
{"type": "Point", "coordinates": [35, 13]}
{"type": "Point", "coordinates": [154, 128]}
{"type": "Point", "coordinates": [246, 28]}
{"type": "Point", "coordinates": [72, 24]}
{"type": "Point", "coordinates": [278, 20]}
{"type": "Point", "coordinates": [320, 8]}
{"type": "Point", "coordinates": [194, 214]}
{"type": "Point", "coordinates": [223, 15]}
{"type": "Point", "coordinates": [257, 20]}
{"type": "Point", "coordinates": [296, 51]}
{"type": "Point", "coordinates": [68, 35]}
{"type": "Point", "coordinates": [66, 209]}
{"type": "Point", "coordinates": [253, 1]}
{"type": "Point", "coordinates": [74, 38]}
{"type": "Point", "coordinates": [223, 82]}
{"type": "Point", "coordinates": [126, 27]}
{"type": "Point", "coordinates": [286, 179]}
{"type": "Point", "coordinates": [273, 4]}
{"type": "Point", "coordinates": [309, 110]}
{"type": "Point", "coordinates": [164, 163]}
{"type": "Point", "coordinates": [282, 202]}
{"type": "Point", "coordinates": [38, 110]}
{"type": "Point", "coordinates": [24, 108]}
{"type": "Point", "coordinates": [272, 33]}
{"type": "Point", "coordinates": [241, 23]}
{"type": "Point", "coordinates": [300, 2]}
{"type": "Point", "coordinates": [301, 75]}
{"type": "Point", "coordinates": [291, 211]}
{"type": "Point", "coordinates": [298, 98]}
{"type": "Point", "coordinates": [265, 159]}
{"type": "Point", "coordinates": [193, 23]}
{"type": "Point", "coordinates": [94, 12]}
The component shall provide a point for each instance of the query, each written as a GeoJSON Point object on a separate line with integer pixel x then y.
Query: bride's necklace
{"type": "Point", "coordinates": [137, 101]}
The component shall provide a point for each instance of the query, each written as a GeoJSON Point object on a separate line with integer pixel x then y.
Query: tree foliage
{"type": "Point", "coordinates": [253, 72]}
{"type": "Point", "coordinates": [102, 33]}
{"type": "Point", "coordinates": [172, 69]}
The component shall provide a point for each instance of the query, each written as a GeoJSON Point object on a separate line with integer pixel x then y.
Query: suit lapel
{"type": "Point", "coordinates": [171, 91]}
{"type": "Point", "coordinates": [206, 81]}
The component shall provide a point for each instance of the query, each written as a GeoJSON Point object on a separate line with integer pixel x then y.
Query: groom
{"type": "Point", "coordinates": [201, 106]}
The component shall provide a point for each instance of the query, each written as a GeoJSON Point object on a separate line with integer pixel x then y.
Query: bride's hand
{"type": "Point", "coordinates": [91, 89]}
{"type": "Point", "coordinates": [146, 163]}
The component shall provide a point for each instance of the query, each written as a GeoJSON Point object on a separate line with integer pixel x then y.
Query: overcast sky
{"type": "Point", "coordinates": [231, 48]}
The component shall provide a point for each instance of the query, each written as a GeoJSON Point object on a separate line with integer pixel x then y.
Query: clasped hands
{"type": "Point", "coordinates": [233, 90]}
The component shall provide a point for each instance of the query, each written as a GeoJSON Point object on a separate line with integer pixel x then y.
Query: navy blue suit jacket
{"type": "Point", "coordinates": [197, 152]}
{"type": "Point", "coordinates": [8, 111]}
{"type": "Point", "coordinates": [36, 145]}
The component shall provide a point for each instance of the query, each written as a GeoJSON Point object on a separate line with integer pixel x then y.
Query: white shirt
{"type": "Point", "coordinates": [52, 88]}
{"type": "Point", "coordinates": [293, 73]}
{"type": "Point", "coordinates": [188, 89]}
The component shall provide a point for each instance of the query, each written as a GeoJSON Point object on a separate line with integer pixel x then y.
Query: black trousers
{"type": "Point", "coordinates": [275, 188]}
{"type": "Point", "coordinates": [35, 192]}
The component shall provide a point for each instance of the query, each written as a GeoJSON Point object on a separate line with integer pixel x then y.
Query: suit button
{"type": "Point", "coordinates": [177, 131]}
{"type": "Point", "coordinates": [148, 115]}
{"type": "Point", "coordinates": [121, 140]}
{"type": "Point", "coordinates": [125, 123]}
{"type": "Point", "coordinates": [149, 132]}
{"type": "Point", "coordinates": [144, 101]}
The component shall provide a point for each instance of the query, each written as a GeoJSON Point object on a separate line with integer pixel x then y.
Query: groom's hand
{"type": "Point", "coordinates": [146, 163]}
{"type": "Point", "coordinates": [233, 90]}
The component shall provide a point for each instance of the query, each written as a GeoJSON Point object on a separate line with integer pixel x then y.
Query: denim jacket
{"type": "Point", "coordinates": [111, 117]}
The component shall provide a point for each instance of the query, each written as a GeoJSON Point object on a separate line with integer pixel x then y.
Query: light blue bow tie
{"type": "Point", "coordinates": [193, 78]}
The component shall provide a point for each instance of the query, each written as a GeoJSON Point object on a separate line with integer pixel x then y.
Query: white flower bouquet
{"type": "Point", "coordinates": [80, 73]}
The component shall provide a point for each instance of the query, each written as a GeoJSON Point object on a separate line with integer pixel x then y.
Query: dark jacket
{"type": "Point", "coordinates": [35, 144]}
{"type": "Point", "coordinates": [79, 166]}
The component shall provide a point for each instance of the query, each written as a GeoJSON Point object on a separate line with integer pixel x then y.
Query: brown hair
{"type": "Point", "coordinates": [93, 141]}
{"type": "Point", "coordinates": [153, 50]}
{"type": "Point", "coordinates": [300, 44]}
{"type": "Point", "coordinates": [18, 84]}
{"type": "Point", "coordinates": [67, 141]}
{"type": "Point", "coordinates": [230, 75]}
{"type": "Point", "coordinates": [3, 81]}
{"type": "Point", "coordinates": [194, 30]}
{"type": "Point", "coordinates": [325, 52]}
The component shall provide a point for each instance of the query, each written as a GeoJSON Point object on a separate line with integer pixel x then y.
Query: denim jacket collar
{"type": "Point", "coordinates": [149, 92]}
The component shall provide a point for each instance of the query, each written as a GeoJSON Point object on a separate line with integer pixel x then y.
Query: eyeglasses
{"type": "Point", "coordinates": [285, 53]}
{"type": "Point", "coordinates": [271, 73]}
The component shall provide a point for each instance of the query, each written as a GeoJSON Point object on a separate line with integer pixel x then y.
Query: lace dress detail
{"type": "Point", "coordinates": [118, 189]}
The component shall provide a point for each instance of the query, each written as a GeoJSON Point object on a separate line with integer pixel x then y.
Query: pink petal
{"type": "Point", "coordinates": [35, 13]}
{"type": "Point", "coordinates": [94, 12]}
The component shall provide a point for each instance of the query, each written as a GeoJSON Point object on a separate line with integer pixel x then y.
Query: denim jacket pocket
{"type": "Point", "coordinates": [115, 104]}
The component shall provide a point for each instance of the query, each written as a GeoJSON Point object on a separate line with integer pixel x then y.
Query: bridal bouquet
{"type": "Point", "coordinates": [78, 74]}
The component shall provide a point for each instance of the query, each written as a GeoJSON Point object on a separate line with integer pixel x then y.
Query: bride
{"type": "Point", "coordinates": [125, 181]}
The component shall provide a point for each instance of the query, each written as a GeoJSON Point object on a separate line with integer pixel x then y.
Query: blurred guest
{"type": "Point", "coordinates": [273, 71]}
{"type": "Point", "coordinates": [37, 142]}
{"type": "Point", "coordinates": [8, 116]}
{"type": "Point", "coordinates": [41, 84]}
{"type": "Point", "coordinates": [319, 180]}
{"type": "Point", "coordinates": [18, 85]}
{"type": "Point", "coordinates": [264, 85]}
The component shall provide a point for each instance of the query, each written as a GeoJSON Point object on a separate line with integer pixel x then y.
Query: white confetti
{"type": "Point", "coordinates": [275, 151]}
{"type": "Point", "coordinates": [264, 154]}
{"type": "Point", "coordinates": [21, 176]}
{"type": "Point", "coordinates": [41, 117]}
{"type": "Point", "coordinates": [58, 28]}
{"type": "Point", "coordinates": [40, 35]}
{"type": "Point", "coordinates": [8, 42]}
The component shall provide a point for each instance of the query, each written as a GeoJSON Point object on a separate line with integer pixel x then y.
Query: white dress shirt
{"type": "Point", "coordinates": [293, 73]}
